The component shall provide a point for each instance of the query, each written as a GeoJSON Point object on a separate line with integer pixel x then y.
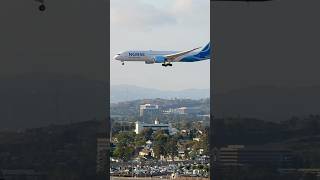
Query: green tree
{"type": "Point", "coordinates": [125, 145]}
{"type": "Point", "coordinates": [160, 142]}
{"type": "Point", "coordinates": [172, 147]}
{"type": "Point", "coordinates": [204, 143]}
{"type": "Point", "coordinates": [139, 140]}
{"type": "Point", "coordinates": [147, 134]}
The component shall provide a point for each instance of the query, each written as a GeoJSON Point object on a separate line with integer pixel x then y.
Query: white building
{"type": "Point", "coordinates": [188, 110]}
{"type": "Point", "coordinates": [183, 111]}
{"type": "Point", "coordinates": [149, 109]}
{"type": "Point", "coordinates": [140, 126]}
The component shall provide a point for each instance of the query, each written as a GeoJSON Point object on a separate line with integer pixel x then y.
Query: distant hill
{"type": "Point", "coordinates": [121, 93]}
{"type": "Point", "coordinates": [271, 103]}
{"type": "Point", "coordinates": [268, 102]}
{"type": "Point", "coordinates": [131, 108]}
{"type": "Point", "coordinates": [33, 101]}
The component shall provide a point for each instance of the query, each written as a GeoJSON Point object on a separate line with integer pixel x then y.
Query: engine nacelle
{"type": "Point", "coordinates": [159, 59]}
{"type": "Point", "coordinates": [149, 61]}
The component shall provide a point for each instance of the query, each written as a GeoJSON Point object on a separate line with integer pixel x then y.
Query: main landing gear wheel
{"type": "Point", "coordinates": [122, 63]}
{"type": "Point", "coordinates": [165, 65]}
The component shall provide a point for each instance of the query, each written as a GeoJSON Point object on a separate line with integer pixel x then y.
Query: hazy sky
{"type": "Point", "coordinates": [160, 25]}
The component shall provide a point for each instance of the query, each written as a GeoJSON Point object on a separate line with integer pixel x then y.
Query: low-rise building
{"type": "Point", "coordinates": [140, 126]}
{"type": "Point", "coordinates": [187, 110]}
{"type": "Point", "coordinates": [184, 111]}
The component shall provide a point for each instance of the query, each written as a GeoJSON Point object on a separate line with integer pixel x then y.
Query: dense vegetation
{"type": "Point", "coordinates": [69, 151]}
{"type": "Point", "coordinates": [127, 143]}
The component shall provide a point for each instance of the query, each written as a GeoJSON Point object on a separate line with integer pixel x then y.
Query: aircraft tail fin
{"type": "Point", "coordinates": [205, 52]}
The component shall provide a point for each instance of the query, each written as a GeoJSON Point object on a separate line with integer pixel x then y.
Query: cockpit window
{"type": "Point", "coordinates": [118, 54]}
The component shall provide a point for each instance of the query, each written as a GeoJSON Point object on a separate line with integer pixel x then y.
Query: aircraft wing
{"type": "Point", "coordinates": [173, 57]}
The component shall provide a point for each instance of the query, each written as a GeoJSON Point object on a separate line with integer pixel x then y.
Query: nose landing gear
{"type": "Point", "coordinates": [41, 7]}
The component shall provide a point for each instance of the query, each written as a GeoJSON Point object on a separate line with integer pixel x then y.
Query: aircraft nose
{"type": "Point", "coordinates": [117, 57]}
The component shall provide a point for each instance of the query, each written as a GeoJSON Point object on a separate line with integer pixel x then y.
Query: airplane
{"type": "Point", "coordinates": [165, 57]}
{"type": "Point", "coordinates": [41, 7]}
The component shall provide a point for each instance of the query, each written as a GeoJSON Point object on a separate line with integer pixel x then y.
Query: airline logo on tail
{"type": "Point", "coordinates": [205, 52]}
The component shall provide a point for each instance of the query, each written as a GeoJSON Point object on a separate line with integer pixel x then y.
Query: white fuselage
{"type": "Point", "coordinates": [141, 55]}
{"type": "Point", "coordinates": [165, 57]}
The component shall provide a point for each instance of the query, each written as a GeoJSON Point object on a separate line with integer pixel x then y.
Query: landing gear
{"type": "Point", "coordinates": [122, 63]}
{"type": "Point", "coordinates": [42, 7]}
{"type": "Point", "coordinates": [166, 64]}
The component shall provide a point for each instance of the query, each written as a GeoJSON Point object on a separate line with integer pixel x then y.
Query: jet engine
{"type": "Point", "coordinates": [149, 61]}
{"type": "Point", "coordinates": [160, 59]}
